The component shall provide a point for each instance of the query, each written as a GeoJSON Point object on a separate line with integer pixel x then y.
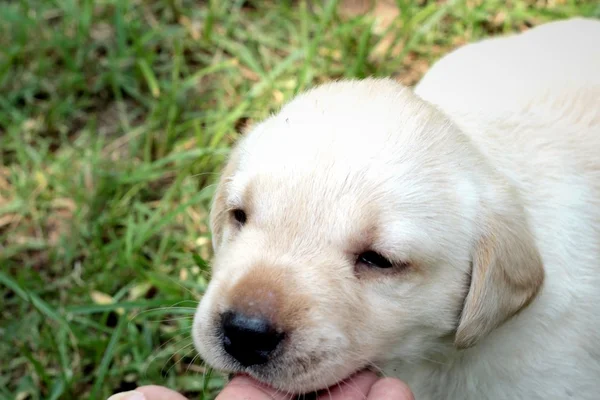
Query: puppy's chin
{"type": "Point", "coordinates": [304, 394]}
{"type": "Point", "coordinates": [303, 384]}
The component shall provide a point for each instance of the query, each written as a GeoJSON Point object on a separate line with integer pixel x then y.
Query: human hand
{"type": "Point", "coordinates": [362, 386]}
{"type": "Point", "coordinates": [365, 385]}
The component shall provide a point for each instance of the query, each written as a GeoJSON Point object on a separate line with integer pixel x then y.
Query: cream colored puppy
{"type": "Point", "coordinates": [450, 236]}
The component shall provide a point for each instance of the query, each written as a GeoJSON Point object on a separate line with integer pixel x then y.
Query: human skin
{"type": "Point", "coordinates": [364, 385]}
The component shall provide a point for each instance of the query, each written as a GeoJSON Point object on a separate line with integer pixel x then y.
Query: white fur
{"type": "Point", "coordinates": [531, 102]}
{"type": "Point", "coordinates": [501, 139]}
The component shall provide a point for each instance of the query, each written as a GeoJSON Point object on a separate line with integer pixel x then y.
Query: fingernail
{"type": "Point", "coordinates": [131, 395]}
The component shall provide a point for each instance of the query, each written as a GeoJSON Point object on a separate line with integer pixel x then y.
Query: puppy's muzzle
{"type": "Point", "coordinates": [249, 339]}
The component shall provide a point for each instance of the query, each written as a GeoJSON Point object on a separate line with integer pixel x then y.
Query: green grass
{"type": "Point", "coordinates": [114, 117]}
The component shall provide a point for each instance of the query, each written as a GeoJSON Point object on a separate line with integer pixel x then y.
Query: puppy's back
{"type": "Point", "coordinates": [530, 101]}
{"type": "Point", "coordinates": [507, 73]}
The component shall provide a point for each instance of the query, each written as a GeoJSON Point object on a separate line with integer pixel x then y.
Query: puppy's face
{"type": "Point", "coordinates": [344, 230]}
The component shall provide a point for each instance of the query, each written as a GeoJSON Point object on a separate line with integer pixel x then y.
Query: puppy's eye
{"type": "Point", "coordinates": [239, 216]}
{"type": "Point", "coordinates": [373, 259]}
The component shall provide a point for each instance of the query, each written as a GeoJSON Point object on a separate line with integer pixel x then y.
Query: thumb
{"type": "Point", "coordinates": [390, 389]}
{"type": "Point", "coordinates": [150, 392]}
{"type": "Point", "coordinates": [244, 387]}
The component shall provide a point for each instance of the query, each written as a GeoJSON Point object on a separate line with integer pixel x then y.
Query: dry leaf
{"type": "Point", "coordinates": [139, 290]}
{"type": "Point", "coordinates": [101, 298]}
{"type": "Point", "coordinates": [202, 241]}
{"type": "Point", "coordinates": [183, 274]}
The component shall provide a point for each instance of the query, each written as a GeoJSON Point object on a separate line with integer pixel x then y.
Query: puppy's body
{"type": "Point", "coordinates": [531, 103]}
{"type": "Point", "coordinates": [488, 212]}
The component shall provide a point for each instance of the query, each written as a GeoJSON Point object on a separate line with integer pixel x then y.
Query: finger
{"type": "Point", "coordinates": [130, 395]}
{"type": "Point", "coordinates": [153, 392]}
{"type": "Point", "coordinates": [244, 387]}
{"type": "Point", "coordinates": [390, 389]}
{"type": "Point", "coordinates": [150, 392]}
{"type": "Point", "coordinates": [354, 388]}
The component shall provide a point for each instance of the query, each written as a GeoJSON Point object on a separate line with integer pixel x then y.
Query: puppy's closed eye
{"type": "Point", "coordinates": [239, 216]}
{"type": "Point", "coordinates": [372, 261]}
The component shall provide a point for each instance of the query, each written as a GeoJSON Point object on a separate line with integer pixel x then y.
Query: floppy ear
{"type": "Point", "coordinates": [507, 274]}
{"type": "Point", "coordinates": [219, 214]}
{"type": "Point", "coordinates": [218, 211]}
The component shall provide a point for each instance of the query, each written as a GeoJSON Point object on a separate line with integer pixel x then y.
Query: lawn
{"type": "Point", "coordinates": [115, 117]}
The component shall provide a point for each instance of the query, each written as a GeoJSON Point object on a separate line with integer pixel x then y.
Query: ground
{"type": "Point", "coordinates": [116, 115]}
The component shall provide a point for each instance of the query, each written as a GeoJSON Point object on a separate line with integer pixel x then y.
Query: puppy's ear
{"type": "Point", "coordinates": [507, 274]}
{"type": "Point", "coordinates": [219, 214]}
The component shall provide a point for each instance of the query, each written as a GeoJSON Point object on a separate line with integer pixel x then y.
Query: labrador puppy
{"type": "Point", "coordinates": [448, 236]}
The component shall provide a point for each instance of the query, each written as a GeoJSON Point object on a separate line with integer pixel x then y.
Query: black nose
{"type": "Point", "coordinates": [250, 340]}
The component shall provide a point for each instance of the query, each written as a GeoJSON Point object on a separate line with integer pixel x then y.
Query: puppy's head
{"type": "Point", "coordinates": [356, 226]}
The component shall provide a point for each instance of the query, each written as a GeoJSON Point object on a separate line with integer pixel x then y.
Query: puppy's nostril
{"type": "Point", "coordinates": [250, 340]}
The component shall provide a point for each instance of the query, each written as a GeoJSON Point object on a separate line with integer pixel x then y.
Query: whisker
{"type": "Point", "coordinates": [191, 362]}
{"type": "Point", "coordinates": [350, 382]}
{"type": "Point", "coordinates": [433, 361]}
{"type": "Point", "coordinates": [378, 369]}
{"type": "Point", "coordinates": [156, 352]}
{"type": "Point", "coordinates": [202, 174]}
{"type": "Point", "coordinates": [173, 307]}
{"type": "Point", "coordinates": [194, 295]}
{"type": "Point", "coordinates": [174, 354]}
{"type": "Point", "coordinates": [187, 317]}
{"type": "Point", "coordinates": [329, 391]}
